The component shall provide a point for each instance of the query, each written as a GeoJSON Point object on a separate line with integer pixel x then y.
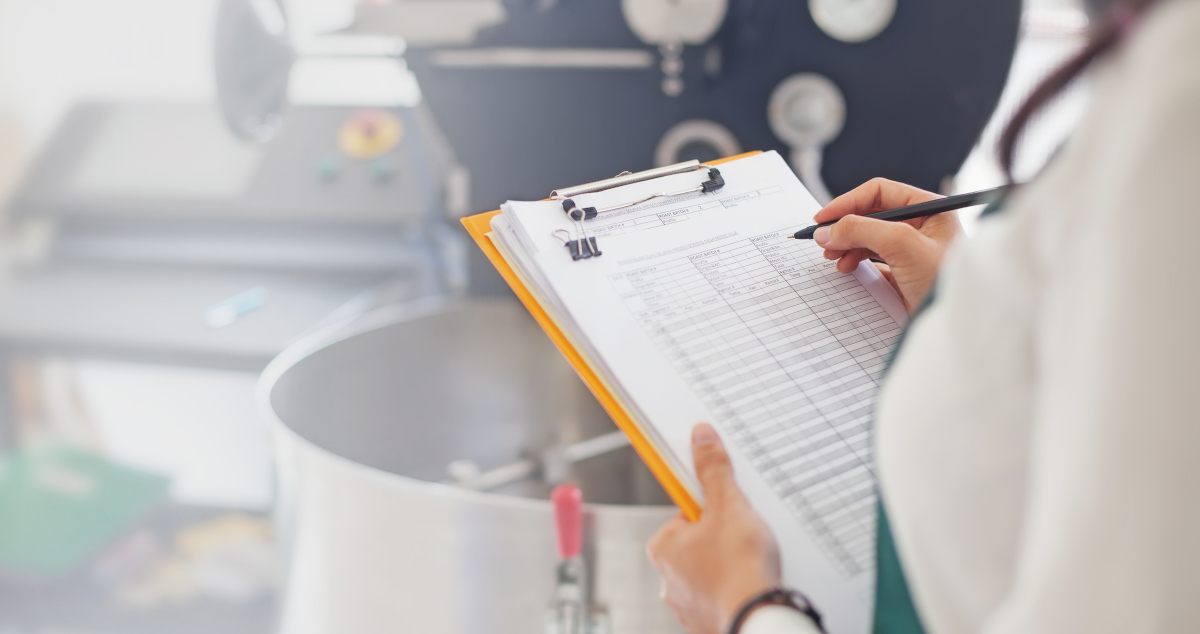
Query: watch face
{"type": "Point", "coordinates": [852, 20]}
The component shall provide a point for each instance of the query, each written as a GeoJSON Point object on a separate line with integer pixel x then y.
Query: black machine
{"type": "Point", "coordinates": [568, 91]}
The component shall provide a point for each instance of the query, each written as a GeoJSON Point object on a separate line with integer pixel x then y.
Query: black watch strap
{"type": "Point", "coordinates": [777, 596]}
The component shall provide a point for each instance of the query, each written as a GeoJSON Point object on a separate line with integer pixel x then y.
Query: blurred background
{"type": "Point", "coordinates": [192, 188]}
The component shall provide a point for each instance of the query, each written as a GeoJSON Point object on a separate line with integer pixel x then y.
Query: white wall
{"type": "Point", "coordinates": [1052, 31]}
{"type": "Point", "coordinates": [199, 426]}
{"type": "Point", "coordinates": [55, 52]}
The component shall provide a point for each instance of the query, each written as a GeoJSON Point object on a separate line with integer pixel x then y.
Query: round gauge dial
{"type": "Point", "coordinates": [852, 20]}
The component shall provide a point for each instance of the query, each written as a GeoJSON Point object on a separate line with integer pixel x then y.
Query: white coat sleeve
{"type": "Point", "coordinates": [1110, 538]}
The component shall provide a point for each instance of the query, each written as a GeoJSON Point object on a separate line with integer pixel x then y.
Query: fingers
{"type": "Point", "coordinates": [886, 271]}
{"type": "Point", "coordinates": [713, 468]}
{"type": "Point", "coordinates": [894, 242]}
{"type": "Point", "coordinates": [874, 195]}
{"type": "Point", "coordinates": [849, 260]}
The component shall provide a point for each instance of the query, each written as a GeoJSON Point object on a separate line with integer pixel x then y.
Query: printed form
{"type": "Point", "coordinates": [703, 309]}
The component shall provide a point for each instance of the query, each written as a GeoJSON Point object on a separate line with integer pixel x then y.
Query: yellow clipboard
{"type": "Point", "coordinates": [479, 226]}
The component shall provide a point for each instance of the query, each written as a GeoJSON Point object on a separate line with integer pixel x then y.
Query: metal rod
{"type": "Point", "coordinates": [522, 469]}
{"type": "Point", "coordinates": [503, 475]}
{"type": "Point", "coordinates": [693, 190]}
{"type": "Point", "coordinates": [512, 57]}
{"type": "Point", "coordinates": [593, 447]}
{"type": "Point", "coordinates": [626, 179]}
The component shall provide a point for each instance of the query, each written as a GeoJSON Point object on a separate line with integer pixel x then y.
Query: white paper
{"type": "Point", "coordinates": [703, 309]}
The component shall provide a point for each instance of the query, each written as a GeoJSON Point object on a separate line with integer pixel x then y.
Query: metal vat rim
{"type": "Point", "coordinates": [367, 322]}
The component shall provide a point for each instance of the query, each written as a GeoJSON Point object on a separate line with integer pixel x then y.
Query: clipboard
{"type": "Point", "coordinates": [479, 226]}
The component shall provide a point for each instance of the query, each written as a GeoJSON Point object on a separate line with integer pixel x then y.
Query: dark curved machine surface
{"type": "Point", "coordinates": [917, 95]}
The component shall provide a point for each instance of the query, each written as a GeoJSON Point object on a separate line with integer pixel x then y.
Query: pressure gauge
{"type": "Point", "coordinates": [670, 24]}
{"type": "Point", "coordinates": [807, 111]}
{"type": "Point", "coordinates": [852, 20]}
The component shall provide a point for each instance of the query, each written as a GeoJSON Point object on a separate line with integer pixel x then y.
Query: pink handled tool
{"type": "Point", "coordinates": [568, 519]}
{"type": "Point", "coordinates": [571, 611]}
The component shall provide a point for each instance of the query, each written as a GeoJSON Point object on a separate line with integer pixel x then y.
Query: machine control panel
{"type": "Point", "coordinates": [179, 162]}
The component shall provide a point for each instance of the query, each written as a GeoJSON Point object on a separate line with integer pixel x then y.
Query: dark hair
{"type": "Point", "coordinates": [1111, 21]}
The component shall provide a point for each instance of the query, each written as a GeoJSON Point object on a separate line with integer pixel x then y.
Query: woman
{"type": "Point", "coordinates": [1038, 432]}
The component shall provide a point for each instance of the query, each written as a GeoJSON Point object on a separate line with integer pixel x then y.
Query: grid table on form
{"type": "Point", "coordinates": [786, 352]}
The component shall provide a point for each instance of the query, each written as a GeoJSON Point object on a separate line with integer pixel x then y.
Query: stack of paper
{"type": "Point", "coordinates": [703, 309]}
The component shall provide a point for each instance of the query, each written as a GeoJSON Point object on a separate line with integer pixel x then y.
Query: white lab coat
{"type": "Point", "coordinates": [1038, 436]}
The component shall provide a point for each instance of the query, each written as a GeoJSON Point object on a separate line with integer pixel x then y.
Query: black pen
{"type": "Point", "coordinates": [949, 203]}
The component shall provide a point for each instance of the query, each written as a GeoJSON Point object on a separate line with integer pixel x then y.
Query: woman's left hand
{"type": "Point", "coordinates": [710, 568]}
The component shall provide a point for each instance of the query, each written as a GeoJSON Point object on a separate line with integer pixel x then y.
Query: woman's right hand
{"type": "Point", "coordinates": [912, 249]}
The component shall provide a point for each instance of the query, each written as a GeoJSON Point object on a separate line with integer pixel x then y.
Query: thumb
{"type": "Point", "coordinates": [894, 242]}
{"type": "Point", "coordinates": [713, 468]}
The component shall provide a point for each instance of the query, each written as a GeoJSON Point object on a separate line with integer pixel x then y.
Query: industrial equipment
{"type": "Point", "coordinates": [568, 91]}
{"type": "Point", "coordinates": [537, 93]}
{"type": "Point", "coordinates": [366, 419]}
{"type": "Point", "coordinates": [137, 219]}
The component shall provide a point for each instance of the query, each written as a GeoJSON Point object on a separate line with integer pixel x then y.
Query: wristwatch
{"type": "Point", "coordinates": [777, 596]}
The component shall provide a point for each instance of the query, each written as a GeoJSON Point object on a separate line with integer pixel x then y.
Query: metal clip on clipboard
{"type": "Point", "coordinates": [584, 246]}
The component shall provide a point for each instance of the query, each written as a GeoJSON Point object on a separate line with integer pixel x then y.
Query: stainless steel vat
{"type": "Point", "coordinates": [365, 419]}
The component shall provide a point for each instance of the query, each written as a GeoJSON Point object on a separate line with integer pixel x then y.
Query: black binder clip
{"type": "Point", "coordinates": [715, 181]}
{"type": "Point", "coordinates": [579, 249]}
{"type": "Point", "coordinates": [583, 246]}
